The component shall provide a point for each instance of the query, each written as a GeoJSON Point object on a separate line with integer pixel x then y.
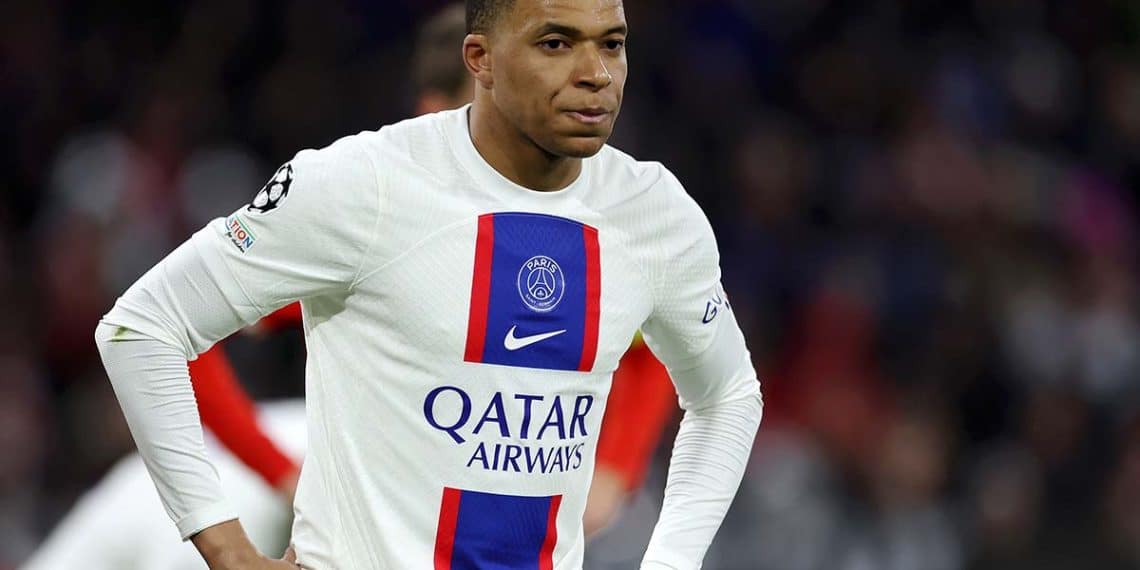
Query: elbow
{"type": "Point", "coordinates": [106, 333]}
{"type": "Point", "coordinates": [746, 406]}
{"type": "Point", "coordinates": [755, 397]}
{"type": "Point", "coordinates": [744, 390]}
{"type": "Point", "coordinates": [103, 334]}
{"type": "Point", "coordinates": [758, 394]}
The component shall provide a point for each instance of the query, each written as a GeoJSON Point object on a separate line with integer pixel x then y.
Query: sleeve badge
{"type": "Point", "coordinates": [274, 192]}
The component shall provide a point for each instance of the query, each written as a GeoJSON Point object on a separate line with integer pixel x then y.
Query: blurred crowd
{"type": "Point", "coordinates": [926, 209]}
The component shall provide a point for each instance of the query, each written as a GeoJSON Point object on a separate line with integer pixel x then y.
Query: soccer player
{"type": "Point", "coordinates": [640, 401]}
{"type": "Point", "coordinates": [94, 534]}
{"type": "Point", "coordinates": [469, 280]}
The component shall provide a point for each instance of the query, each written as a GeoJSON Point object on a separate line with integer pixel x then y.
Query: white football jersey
{"type": "Point", "coordinates": [462, 331]}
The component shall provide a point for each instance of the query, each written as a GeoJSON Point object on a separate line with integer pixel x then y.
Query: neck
{"type": "Point", "coordinates": [514, 155]}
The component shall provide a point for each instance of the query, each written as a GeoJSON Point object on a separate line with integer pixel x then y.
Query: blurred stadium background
{"type": "Point", "coordinates": [927, 212]}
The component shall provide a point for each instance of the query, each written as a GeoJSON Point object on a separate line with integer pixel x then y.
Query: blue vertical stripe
{"type": "Point", "coordinates": [521, 297]}
{"type": "Point", "coordinates": [499, 532]}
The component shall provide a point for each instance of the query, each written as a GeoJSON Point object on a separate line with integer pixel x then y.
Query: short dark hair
{"type": "Point", "coordinates": [438, 63]}
{"type": "Point", "coordinates": [482, 14]}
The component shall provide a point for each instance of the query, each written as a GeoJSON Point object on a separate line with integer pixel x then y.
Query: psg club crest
{"type": "Point", "coordinates": [541, 283]}
{"type": "Point", "coordinates": [274, 192]}
{"type": "Point", "coordinates": [536, 289]}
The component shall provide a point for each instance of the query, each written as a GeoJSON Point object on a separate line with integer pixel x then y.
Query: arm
{"type": "Point", "coordinates": [229, 413]}
{"type": "Point", "coordinates": [151, 382]}
{"type": "Point", "coordinates": [226, 276]}
{"type": "Point", "coordinates": [694, 333]}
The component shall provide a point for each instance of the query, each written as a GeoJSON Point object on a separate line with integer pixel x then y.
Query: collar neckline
{"type": "Point", "coordinates": [459, 137]}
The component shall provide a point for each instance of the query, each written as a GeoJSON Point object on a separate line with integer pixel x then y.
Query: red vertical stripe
{"type": "Point", "coordinates": [593, 297]}
{"type": "Point", "coordinates": [546, 555]}
{"type": "Point", "coordinates": [445, 534]}
{"type": "Point", "coordinates": [480, 289]}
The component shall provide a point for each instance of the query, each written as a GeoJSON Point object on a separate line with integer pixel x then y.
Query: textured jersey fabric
{"type": "Point", "coordinates": [462, 332]}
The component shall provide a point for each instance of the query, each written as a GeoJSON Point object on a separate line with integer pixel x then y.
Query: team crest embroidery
{"type": "Point", "coordinates": [274, 192]}
{"type": "Point", "coordinates": [541, 283]}
{"type": "Point", "coordinates": [536, 289]}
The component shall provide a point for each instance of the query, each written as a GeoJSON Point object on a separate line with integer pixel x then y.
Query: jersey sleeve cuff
{"type": "Point", "coordinates": [204, 518]}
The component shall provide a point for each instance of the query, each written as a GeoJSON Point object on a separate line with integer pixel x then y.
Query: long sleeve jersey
{"type": "Point", "coordinates": [462, 332]}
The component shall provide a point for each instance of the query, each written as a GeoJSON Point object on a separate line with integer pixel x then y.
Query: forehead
{"type": "Point", "coordinates": [587, 15]}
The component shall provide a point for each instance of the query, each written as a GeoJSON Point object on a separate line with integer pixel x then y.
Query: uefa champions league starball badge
{"type": "Point", "coordinates": [274, 191]}
{"type": "Point", "coordinates": [541, 283]}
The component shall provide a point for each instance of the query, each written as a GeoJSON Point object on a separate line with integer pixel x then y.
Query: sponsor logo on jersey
{"type": "Point", "coordinates": [512, 342]}
{"type": "Point", "coordinates": [274, 192]}
{"type": "Point", "coordinates": [489, 530]}
{"type": "Point", "coordinates": [239, 233]}
{"type": "Point", "coordinates": [534, 275]}
{"type": "Point", "coordinates": [538, 433]}
{"type": "Point", "coordinates": [715, 304]}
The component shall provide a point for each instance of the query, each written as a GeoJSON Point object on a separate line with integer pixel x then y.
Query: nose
{"type": "Point", "coordinates": [592, 71]}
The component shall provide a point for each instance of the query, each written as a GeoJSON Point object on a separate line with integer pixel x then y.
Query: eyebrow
{"type": "Point", "coordinates": [572, 32]}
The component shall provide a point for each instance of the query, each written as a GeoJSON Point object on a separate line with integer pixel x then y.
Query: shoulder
{"type": "Point", "coordinates": [627, 178]}
{"type": "Point", "coordinates": [647, 184]}
{"type": "Point", "coordinates": [344, 165]}
{"type": "Point", "coordinates": [377, 148]}
{"type": "Point", "coordinates": [670, 220]}
{"type": "Point", "coordinates": [419, 139]}
{"type": "Point", "coordinates": [359, 167]}
{"type": "Point", "coordinates": [334, 185]}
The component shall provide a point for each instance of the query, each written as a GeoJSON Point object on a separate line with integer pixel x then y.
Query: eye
{"type": "Point", "coordinates": [615, 45]}
{"type": "Point", "coordinates": [554, 44]}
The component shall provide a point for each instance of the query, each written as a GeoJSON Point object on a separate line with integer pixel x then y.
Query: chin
{"type": "Point", "coordinates": [580, 147]}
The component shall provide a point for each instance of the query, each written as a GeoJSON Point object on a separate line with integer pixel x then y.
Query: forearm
{"type": "Point", "coordinates": [226, 546]}
{"type": "Point", "coordinates": [152, 385]}
{"type": "Point", "coordinates": [709, 458]}
{"type": "Point", "coordinates": [227, 411]}
{"type": "Point", "coordinates": [176, 310]}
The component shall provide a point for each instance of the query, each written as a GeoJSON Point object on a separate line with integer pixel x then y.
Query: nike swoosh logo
{"type": "Point", "coordinates": [512, 342]}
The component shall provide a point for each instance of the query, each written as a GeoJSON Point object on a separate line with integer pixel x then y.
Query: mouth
{"type": "Point", "coordinates": [589, 115]}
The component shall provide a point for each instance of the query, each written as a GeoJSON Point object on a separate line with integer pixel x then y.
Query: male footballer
{"type": "Point", "coordinates": [469, 280]}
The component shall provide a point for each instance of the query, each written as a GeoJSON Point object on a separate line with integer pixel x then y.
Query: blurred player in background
{"type": "Point", "coordinates": [382, 321]}
{"type": "Point", "coordinates": [269, 444]}
{"type": "Point", "coordinates": [120, 523]}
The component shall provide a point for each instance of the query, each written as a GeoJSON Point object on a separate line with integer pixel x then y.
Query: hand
{"type": "Point", "coordinates": [265, 563]}
{"type": "Point", "coordinates": [225, 546]}
{"type": "Point", "coordinates": [287, 562]}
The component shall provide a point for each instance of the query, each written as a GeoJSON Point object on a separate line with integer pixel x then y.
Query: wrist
{"type": "Point", "coordinates": [225, 546]}
{"type": "Point", "coordinates": [237, 559]}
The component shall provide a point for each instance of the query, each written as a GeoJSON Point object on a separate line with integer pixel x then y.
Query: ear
{"type": "Point", "coordinates": [477, 58]}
